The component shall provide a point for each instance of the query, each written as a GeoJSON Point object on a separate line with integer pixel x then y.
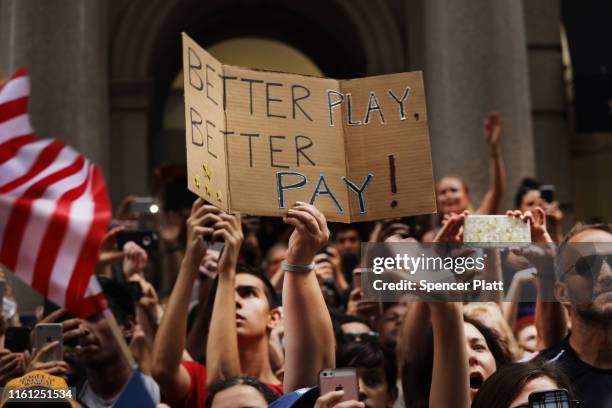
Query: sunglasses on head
{"type": "Point", "coordinates": [361, 337]}
{"type": "Point", "coordinates": [590, 265]}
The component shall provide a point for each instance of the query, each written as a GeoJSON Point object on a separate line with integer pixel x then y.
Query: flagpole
{"type": "Point", "coordinates": [125, 350]}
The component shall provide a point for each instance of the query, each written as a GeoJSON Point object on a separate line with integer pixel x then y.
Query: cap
{"type": "Point", "coordinates": [38, 380]}
{"type": "Point", "coordinates": [304, 397]}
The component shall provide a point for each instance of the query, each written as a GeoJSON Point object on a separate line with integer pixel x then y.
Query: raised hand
{"type": "Point", "coordinates": [199, 229]}
{"type": "Point", "coordinates": [12, 365]}
{"type": "Point", "coordinates": [134, 259]}
{"type": "Point", "coordinates": [57, 367]}
{"type": "Point", "coordinates": [452, 230]}
{"type": "Point", "coordinates": [492, 129]}
{"type": "Point", "coordinates": [229, 229]}
{"type": "Point", "coordinates": [309, 235]}
{"type": "Point", "coordinates": [537, 223]}
{"type": "Point", "coordinates": [332, 398]}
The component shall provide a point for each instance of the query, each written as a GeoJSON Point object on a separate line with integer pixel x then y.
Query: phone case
{"type": "Point", "coordinates": [550, 399]}
{"type": "Point", "coordinates": [489, 230]}
{"type": "Point", "coordinates": [45, 333]}
{"type": "Point", "coordinates": [340, 379]}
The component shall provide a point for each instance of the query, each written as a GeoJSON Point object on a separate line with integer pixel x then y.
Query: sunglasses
{"type": "Point", "coordinates": [361, 337]}
{"type": "Point", "coordinates": [590, 265]}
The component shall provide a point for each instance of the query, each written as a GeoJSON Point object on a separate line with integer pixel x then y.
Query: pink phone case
{"type": "Point", "coordinates": [340, 379]}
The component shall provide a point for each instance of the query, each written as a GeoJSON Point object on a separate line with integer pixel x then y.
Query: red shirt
{"type": "Point", "coordinates": [196, 396]}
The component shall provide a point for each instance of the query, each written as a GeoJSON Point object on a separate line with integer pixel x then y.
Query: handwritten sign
{"type": "Point", "coordinates": [258, 141]}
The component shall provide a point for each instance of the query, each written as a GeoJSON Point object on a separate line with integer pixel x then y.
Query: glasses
{"type": "Point", "coordinates": [590, 265]}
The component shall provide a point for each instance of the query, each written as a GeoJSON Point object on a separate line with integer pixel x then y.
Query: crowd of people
{"type": "Point", "coordinates": [231, 311]}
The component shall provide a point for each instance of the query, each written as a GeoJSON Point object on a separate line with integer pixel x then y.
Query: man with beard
{"type": "Point", "coordinates": [584, 287]}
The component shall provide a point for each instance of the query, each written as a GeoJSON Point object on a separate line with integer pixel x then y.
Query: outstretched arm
{"type": "Point", "coordinates": [450, 375]}
{"type": "Point", "coordinates": [308, 330]}
{"type": "Point", "coordinates": [169, 343]}
{"type": "Point", "coordinates": [222, 357]}
{"type": "Point", "coordinates": [550, 317]}
{"type": "Point", "coordinates": [492, 131]}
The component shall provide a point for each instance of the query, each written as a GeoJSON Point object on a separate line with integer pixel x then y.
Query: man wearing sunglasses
{"type": "Point", "coordinates": [584, 288]}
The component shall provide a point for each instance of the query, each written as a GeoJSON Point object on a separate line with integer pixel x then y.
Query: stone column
{"type": "Point", "coordinates": [63, 45]}
{"type": "Point", "coordinates": [474, 59]}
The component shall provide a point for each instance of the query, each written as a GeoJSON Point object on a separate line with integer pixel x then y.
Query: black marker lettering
{"type": "Point", "coordinates": [195, 126]}
{"type": "Point", "coordinates": [268, 100]}
{"type": "Point", "coordinates": [209, 138]}
{"type": "Point", "coordinates": [250, 135]}
{"type": "Point", "coordinates": [326, 191]}
{"type": "Point", "coordinates": [374, 107]}
{"type": "Point", "coordinates": [400, 102]}
{"type": "Point", "coordinates": [359, 190]}
{"type": "Point", "coordinates": [225, 78]}
{"type": "Point", "coordinates": [272, 150]}
{"type": "Point", "coordinates": [193, 68]}
{"type": "Point", "coordinates": [251, 81]}
{"type": "Point", "coordinates": [294, 100]}
{"type": "Point", "coordinates": [299, 149]}
{"type": "Point", "coordinates": [280, 187]}
{"type": "Point", "coordinates": [349, 113]}
{"type": "Point", "coordinates": [208, 84]}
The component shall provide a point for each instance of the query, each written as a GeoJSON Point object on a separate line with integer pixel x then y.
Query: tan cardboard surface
{"type": "Point", "coordinates": [284, 138]}
{"type": "Point", "coordinates": [393, 130]}
{"type": "Point", "coordinates": [207, 174]}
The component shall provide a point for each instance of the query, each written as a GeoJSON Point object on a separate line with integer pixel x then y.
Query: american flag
{"type": "Point", "coordinates": [54, 208]}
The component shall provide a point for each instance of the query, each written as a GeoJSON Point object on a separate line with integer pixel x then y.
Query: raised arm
{"type": "Point", "coordinates": [492, 131]}
{"type": "Point", "coordinates": [309, 337]}
{"type": "Point", "coordinates": [450, 375]}
{"type": "Point", "coordinates": [550, 317]}
{"type": "Point", "coordinates": [222, 357]}
{"type": "Point", "coordinates": [169, 344]}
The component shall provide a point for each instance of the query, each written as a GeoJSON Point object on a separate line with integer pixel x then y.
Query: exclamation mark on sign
{"type": "Point", "coordinates": [392, 179]}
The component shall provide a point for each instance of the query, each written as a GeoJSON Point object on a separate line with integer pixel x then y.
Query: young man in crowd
{"type": "Point", "coordinates": [376, 371]}
{"type": "Point", "coordinates": [584, 287]}
{"type": "Point", "coordinates": [348, 242]}
{"type": "Point", "coordinates": [243, 316]}
{"type": "Point", "coordinates": [97, 352]}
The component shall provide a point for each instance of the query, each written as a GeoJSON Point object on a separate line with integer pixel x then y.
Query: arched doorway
{"type": "Point", "coordinates": [341, 38]}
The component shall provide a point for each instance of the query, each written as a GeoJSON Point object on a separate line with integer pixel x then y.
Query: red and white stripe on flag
{"type": "Point", "coordinates": [54, 208]}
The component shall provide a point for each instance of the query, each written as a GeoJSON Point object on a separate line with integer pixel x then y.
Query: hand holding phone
{"type": "Point", "coordinates": [44, 335]}
{"type": "Point", "coordinates": [340, 379]}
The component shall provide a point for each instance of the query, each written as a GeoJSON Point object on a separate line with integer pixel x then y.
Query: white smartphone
{"type": "Point", "coordinates": [493, 230]}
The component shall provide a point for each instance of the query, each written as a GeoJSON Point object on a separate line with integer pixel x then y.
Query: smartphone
{"type": "Point", "coordinates": [146, 239]}
{"type": "Point", "coordinates": [45, 333]}
{"type": "Point", "coordinates": [488, 230]}
{"type": "Point", "coordinates": [144, 205]}
{"type": "Point", "coordinates": [550, 399]}
{"type": "Point", "coordinates": [335, 379]}
{"type": "Point", "coordinates": [135, 291]}
{"type": "Point", "coordinates": [357, 273]}
{"type": "Point", "coordinates": [17, 339]}
{"type": "Point", "coordinates": [547, 192]}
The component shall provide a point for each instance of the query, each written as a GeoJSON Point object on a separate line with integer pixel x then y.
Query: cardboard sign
{"type": "Point", "coordinates": [258, 141]}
